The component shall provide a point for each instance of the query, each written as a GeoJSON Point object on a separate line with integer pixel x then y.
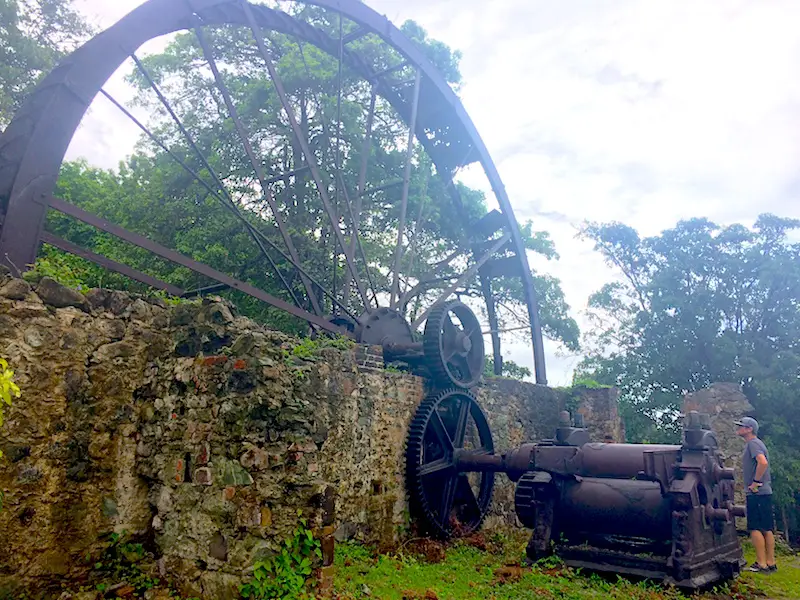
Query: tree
{"type": "Point", "coordinates": [697, 304]}
{"type": "Point", "coordinates": [34, 35]}
{"type": "Point", "coordinates": [152, 195]}
{"type": "Point", "coordinates": [510, 369]}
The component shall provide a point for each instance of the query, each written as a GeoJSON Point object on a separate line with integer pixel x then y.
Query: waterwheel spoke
{"type": "Point", "coordinates": [257, 167]}
{"type": "Point", "coordinates": [398, 251]}
{"type": "Point", "coordinates": [338, 182]}
{"type": "Point", "coordinates": [302, 142]}
{"type": "Point", "coordinates": [491, 314]}
{"type": "Point", "coordinates": [353, 213]}
{"type": "Point", "coordinates": [189, 140]}
{"type": "Point", "coordinates": [466, 276]}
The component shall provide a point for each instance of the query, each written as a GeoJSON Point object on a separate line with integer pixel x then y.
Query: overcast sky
{"type": "Point", "coordinates": [641, 111]}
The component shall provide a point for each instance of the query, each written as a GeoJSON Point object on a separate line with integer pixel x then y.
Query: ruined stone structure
{"type": "Point", "coordinates": [600, 410]}
{"type": "Point", "coordinates": [724, 403]}
{"type": "Point", "coordinates": [204, 433]}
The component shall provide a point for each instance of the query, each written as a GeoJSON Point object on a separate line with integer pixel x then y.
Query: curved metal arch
{"type": "Point", "coordinates": [34, 145]}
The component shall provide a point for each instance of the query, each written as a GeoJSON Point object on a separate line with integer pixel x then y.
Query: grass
{"type": "Point", "coordinates": [784, 584]}
{"type": "Point", "coordinates": [490, 570]}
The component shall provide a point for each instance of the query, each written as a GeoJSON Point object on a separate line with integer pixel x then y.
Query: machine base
{"type": "Point", "coordinates": [699, 572]}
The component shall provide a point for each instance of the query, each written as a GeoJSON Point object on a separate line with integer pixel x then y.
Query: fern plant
{"type": "Point", "coordinates": [284, 576]}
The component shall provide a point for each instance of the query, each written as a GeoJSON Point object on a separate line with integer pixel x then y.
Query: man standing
{"type": "Point", "coordinates": [758, 484]}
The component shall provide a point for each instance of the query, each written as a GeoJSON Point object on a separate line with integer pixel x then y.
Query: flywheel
{"type": "Point", "coordinates": [445, 502]}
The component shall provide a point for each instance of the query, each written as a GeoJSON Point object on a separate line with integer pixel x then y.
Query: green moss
{"type": "Point", "coordinates": [308, 348]}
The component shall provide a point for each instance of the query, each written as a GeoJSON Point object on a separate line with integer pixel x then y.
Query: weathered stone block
{"type": "Point", "coordinates": [218, 548]}
{"type": "Point", "coordinates": [53, 293]}
{"type": "Point", "coordinates": [203, 476]}
{"type": "Point", "coordinates": [119, 302]}
{"type": "Point", "coordinates": [230, 472]}
{"type": "Point", "coordinates": [204, 456]}
{"type": "Point", "coordinates": [15, 289]}
{"type": "Point", "coordinates": [724, 403]}
{"type": "Point", "coordinates": [266, 517]}
{"type": "Point", "coordinates": [179, 471]}
{"type": "Point", "coordinates": [248, 516]}
{"type": "Point", "coordinates": [255, 458]}
{"type": "Point", "coordinates": [600, 410]}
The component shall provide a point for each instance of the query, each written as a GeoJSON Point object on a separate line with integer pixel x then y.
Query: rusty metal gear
{"type": "Point", "coordinates": [446, 502]}
{"type": "Point", "coordinates": [454, 351]}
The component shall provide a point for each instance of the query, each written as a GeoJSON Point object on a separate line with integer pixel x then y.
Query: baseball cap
{"type": "Point", "coordinates": [748, 422]}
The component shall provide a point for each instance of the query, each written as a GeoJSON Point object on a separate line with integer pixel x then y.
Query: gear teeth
{"type": "Point", "coordinates": [419, 502]}
{"type": "Point", "coordinates": [524, 500]}
{"type": "Point", "coordinates": [433, 352]}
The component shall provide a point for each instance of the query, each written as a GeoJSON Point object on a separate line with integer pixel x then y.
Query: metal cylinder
{"type": "Point", "coordinates": [617, 460]}
{"type": "Point", "coordinates": [615, 507]}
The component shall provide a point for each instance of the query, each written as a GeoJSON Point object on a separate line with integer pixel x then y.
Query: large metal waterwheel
{"type": "Point", "coordinates": [397, 75]}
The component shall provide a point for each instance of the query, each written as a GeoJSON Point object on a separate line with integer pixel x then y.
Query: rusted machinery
{"type": "Point", "coordinates": [657, 511]}
{"type": "Point", "coordinates": [451, 349]}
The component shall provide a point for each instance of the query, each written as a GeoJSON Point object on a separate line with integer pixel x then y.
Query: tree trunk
{"type": "Point", "coordinates": [785, 524]}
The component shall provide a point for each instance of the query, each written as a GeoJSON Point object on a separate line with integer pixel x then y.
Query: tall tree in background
{"type": "Point", "coordinates": [34, 35]}
{"type": "Point", "coordinates": [695, 305]}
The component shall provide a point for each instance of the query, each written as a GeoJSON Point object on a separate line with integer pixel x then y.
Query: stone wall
{"type": "Point", "coordinates": [203, 434]}
{"type": "Point", "coordinates": [724, 403]}
{"type": "Point", "coordinates": [600, 410]}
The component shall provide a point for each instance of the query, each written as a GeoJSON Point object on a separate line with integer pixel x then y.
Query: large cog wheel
{"type": "Point", "coordinates": [453, 345]}
{"type": "Point", "coordinates": [448, 503]}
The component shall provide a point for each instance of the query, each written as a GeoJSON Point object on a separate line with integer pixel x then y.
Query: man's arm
{"type": "Point", "coordinates": [761, 468]}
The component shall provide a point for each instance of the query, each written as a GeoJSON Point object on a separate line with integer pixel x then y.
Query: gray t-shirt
{"type": "Point", "coordinates": [751, 450]}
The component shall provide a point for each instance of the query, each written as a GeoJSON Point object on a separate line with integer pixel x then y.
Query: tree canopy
{"type": "Point", "coordinates": [701, 303]}
{"type": "Point", "coordinates": [34, 34]}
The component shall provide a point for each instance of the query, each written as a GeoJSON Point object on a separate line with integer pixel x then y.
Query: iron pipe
{"type": "Point", "coordinates": [467, 461]}
{"type": "Point", "coordinates": [616, 460]}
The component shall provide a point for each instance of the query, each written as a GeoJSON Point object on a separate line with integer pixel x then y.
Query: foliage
{"type": "Point", "coordinates": [33, 36]}
{"type": "Point", "coordinates": [126, 565]}
{"type": "Point", "coordinates": [120, 563]}
{"type": "Point", "coordinates": [66, 269]}
{"type": "Point", "coordinates": [698, 304]}
{"type": "Point", "coordinates": [588, 383]}
{"type": "Point", "coordinates": [510, 369]}
{"type": "Point", "coordinates": [8, 390]}
{"type": "Point", "coordinates": [308, 347]}
{"type": "Point", "coordinates": [285, 575]}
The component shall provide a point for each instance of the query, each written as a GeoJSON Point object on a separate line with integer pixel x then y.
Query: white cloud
{"type": "Point", "coordinates": [643, 111]}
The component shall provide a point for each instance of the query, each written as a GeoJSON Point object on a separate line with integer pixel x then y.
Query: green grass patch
{"type": "Point", "coordinates": [494, 572]}
{"type": "Point", "coordinates": [785, 583]}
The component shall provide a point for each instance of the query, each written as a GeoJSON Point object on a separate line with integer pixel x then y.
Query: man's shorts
{"type": "Point", "coordinates": [759, 513]}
